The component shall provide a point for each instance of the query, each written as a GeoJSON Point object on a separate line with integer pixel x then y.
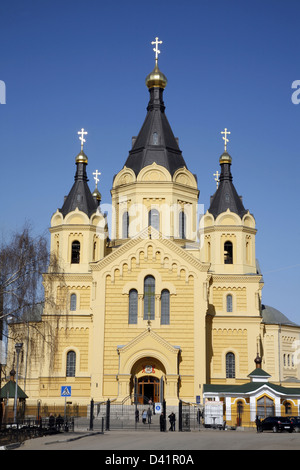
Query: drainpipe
{"type": "Point", "coordinates": [279, 354]}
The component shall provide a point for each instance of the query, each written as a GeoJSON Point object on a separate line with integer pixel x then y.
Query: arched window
{"type": "Point", "coordinates": [265, 407]}
{"type": "Point", "coordinates": [133, 307]}
{"type": "Point", "coordinates": [165, 307]}
{"type": "Point", "coordinates": [153, 219]}
{"type": "Point", "coordinates": [182, 225]}
{"type": "Point", "coordinates": [75, 256]}
{"type": "Point", "coordinates": [229, 303]}
{"type": "Point", "coordinates": [94, 250]}
{"type": "Point", "coordinates": [71, 364]}
{"type": "Point", "coordinates": [125, 225]}
{"type": "Point", "coordinates": [228, 253]}
{"type": "Point", "coordinates": [288, 408]}
{"type": "Point", "coordinates": [73, 302]}
{"type": "Point", "coordinates": [230, 366]}
{"type": "Point", "coordinates": [149, 298]}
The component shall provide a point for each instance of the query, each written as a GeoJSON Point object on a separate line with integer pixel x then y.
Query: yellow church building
{"type": "Point", "coordinates": [166, 303]}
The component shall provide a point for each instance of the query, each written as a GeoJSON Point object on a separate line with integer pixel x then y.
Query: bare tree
{"type": "Point", "coordinates": [25, 262]}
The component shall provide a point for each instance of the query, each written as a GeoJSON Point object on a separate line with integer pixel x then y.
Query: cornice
{"type": "Point", "coordinates": [236, 278]}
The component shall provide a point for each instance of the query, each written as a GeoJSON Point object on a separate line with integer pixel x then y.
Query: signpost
{"type": "Point", "coordinates": [65, 391]}
{"type": "Point", "coordinates": [158, 408]}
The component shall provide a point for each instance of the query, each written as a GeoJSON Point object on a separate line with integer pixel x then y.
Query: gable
{"type": "Point", "coordinates": [149, 245]}
{"type": "Point", "coordinates": [148, 343]}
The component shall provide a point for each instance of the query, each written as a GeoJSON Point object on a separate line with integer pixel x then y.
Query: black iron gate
{"type": "Point", "coordinates": [184, 416]}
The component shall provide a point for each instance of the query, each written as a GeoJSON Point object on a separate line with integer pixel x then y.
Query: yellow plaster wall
{"type": "Point", "coordinates": [119, 332]}
{"type": "Point", "coordinates": [229, 340]}
{"type": "Point", "coordinates": [69, 339]}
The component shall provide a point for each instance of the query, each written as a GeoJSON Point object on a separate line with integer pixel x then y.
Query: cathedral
{"type": "Point", "coordinates": [166, 303]}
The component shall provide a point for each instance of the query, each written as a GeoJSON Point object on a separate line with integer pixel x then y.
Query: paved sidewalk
{"type": "Point", "coordinates": [205, 439]}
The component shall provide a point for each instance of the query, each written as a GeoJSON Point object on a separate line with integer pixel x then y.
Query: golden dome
{"type": "Point", "coordinates": [225, 158]}
{"type": "Point", "coordinates": [156, 78]}
{"type": "Point", "coordinates": [97, 194]}
{"type": "Point", "coordinates": [81, 157]}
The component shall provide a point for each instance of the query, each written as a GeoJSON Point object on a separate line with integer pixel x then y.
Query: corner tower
{"type": "Point", "coordinates": [78, 229]}
{"type": "Point", "coordinates": [155, 187]}
{"type": "Point", "coordinates": [228, 229]}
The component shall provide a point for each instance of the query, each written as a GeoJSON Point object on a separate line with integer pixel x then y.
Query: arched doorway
{"type": "Point", "coordinates": [148, 389]}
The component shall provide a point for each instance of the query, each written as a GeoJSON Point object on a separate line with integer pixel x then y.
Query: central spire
{"type": "Point", "coordinates": [155, 142]}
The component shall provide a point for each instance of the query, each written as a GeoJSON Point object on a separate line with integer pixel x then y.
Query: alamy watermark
{"type": "Point", "coordinates": [296, 94]}
{"type": "Point", "coordinates": [2, 92]}
{"type": "Point", "coordinates": [169, 221]}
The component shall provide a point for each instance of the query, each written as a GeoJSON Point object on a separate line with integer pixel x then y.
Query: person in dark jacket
{"type": "Point", "coordinates": [172, 419]}
{"type": "Point", "coordinates": [162, 422]}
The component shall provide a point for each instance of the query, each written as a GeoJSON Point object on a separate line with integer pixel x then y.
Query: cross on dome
{"type": "Point", "coordinates": [81, 138]}
{"type": "Point", "coordinates": [225, 132]}
{"type": "Point", "coordinates": [96, 173]}
{"type": "Point", "coordinates": [216, 175]}
{"type": "Point", "coordinates": [156, 50]}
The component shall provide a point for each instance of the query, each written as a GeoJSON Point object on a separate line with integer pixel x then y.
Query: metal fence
{"type": "Point", "coordinates": [21, 430]}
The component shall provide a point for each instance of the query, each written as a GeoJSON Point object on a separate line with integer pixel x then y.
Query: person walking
{"type": "Point", "coordinates": [144, 416]}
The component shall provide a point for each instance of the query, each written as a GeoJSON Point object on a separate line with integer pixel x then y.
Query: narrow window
{"type": "Point", "coordinates": [94, 251]}
{"type": "Point", "coordinates": [228, 253]}
{"type": "Point", "coordinates": [182, 225]}
{"type": "Point", "coordinates": [71, 364]}
{"type": "Point", "coordinates": [125, 225]}
{"type": "Point", "coordinates": [153, 219]}
{"type": "Point", "coordinates": [133, 307]}
{"type": "Point", "coordinates": [155, 138]}
{"type": "Point", "coordinates": [229, 303]}
{"type": "Point", "coordinates": [73, 302]}
{"type": "Point", "coordinates": [165, 307]}
{"type": "Point", "coordinates": [230, 366]}
{"type": "Point", "coordinates": [75, 256]}
{"type": "Point", "coordinates": [149, 298]}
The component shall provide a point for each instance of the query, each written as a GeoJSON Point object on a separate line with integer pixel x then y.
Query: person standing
{"type": "Point", "coordinates": [149, 414]}
{"type": "Point", "coordinates": [172, 419]}
{"type": "Point", "coordinates": [162, 422]}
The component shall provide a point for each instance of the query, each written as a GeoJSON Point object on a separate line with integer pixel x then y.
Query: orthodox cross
{"type": "Point", "coordinates": [217, 174]}
{"type": "Point", "coordinates": [96, 173]}
{"type": "Point", "coordinates": [81, 138]}
{"type": "Point", "coordinates": [156, 50]}
{"type": "Point", "coordinates": [225, 132]}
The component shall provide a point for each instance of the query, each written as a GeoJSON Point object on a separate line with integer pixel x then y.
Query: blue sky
{"type": "Point", "coordinates": [70, 64]}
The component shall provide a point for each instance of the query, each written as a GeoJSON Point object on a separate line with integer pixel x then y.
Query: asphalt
{"type": "Point", "coordinates": [113, 443]}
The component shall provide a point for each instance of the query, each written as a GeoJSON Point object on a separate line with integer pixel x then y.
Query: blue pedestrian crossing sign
{"type": "Point", "coordinates": [65, 391]}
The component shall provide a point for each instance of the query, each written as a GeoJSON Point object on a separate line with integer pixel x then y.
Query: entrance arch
{"type": "Point", "coordinates": [148, 389]}
{"type": "Point", "coordinates": [148, 377]}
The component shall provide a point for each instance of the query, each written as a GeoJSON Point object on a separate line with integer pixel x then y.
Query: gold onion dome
{"type": "Point", "coordinates": [81, 157]}
{"type": "Point", "coordinates": [97, 194]}
{"type": "Point", "coordinates": [225, 158]}
{"type": "Point", "coordinates": [156, 78]}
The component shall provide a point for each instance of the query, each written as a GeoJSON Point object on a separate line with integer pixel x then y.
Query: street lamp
{"type": "Point", "coordinates": [18, 347]}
